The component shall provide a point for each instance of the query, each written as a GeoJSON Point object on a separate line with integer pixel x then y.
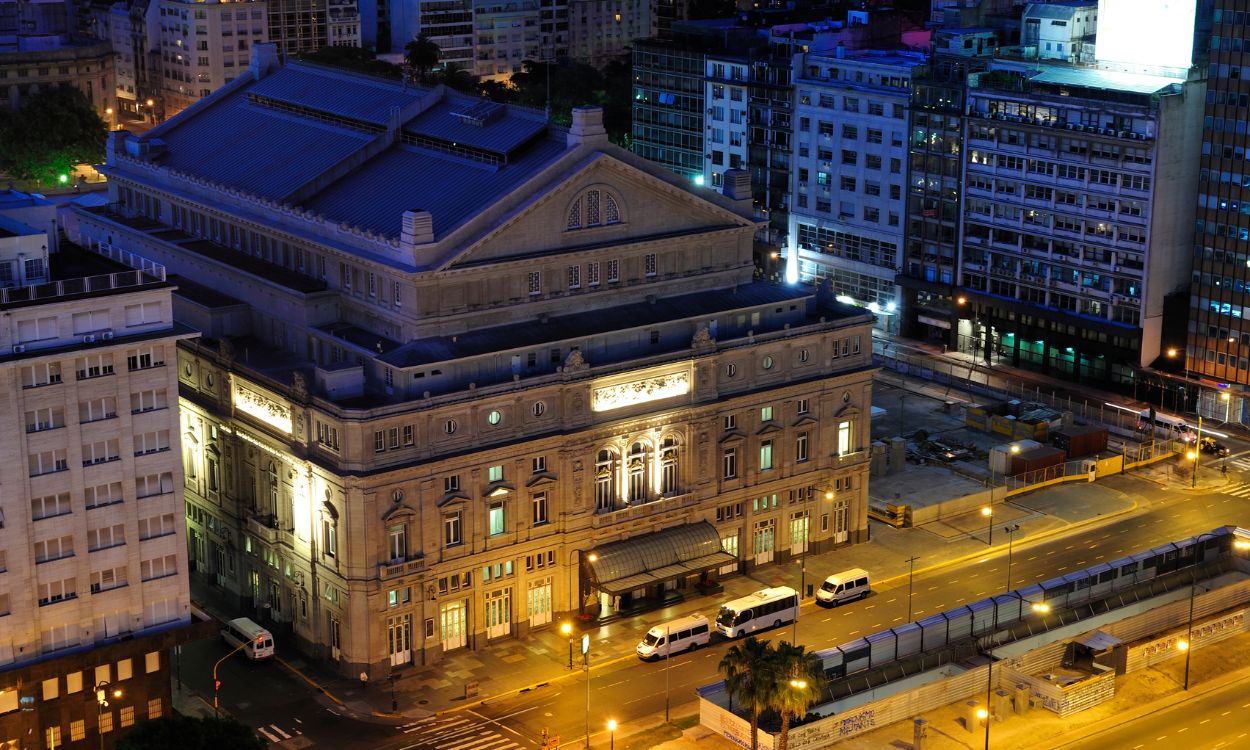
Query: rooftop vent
{"type": "Point", "coordinates": [479, 114]}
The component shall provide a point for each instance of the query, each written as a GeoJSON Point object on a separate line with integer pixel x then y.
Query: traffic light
{"type": "Point", "coordinates": [216, 684]}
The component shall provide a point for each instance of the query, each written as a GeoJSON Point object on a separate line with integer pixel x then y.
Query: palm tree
{"type": "Point", "coordinates": [749, 677]}
{"type": "Point", "coordinates": [800, 678]}
{"type": "Point", "coordinates": [422, 55]}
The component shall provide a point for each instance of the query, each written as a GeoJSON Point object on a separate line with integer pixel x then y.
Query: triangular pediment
{"type": "Point", "coordinates": [600, 201]}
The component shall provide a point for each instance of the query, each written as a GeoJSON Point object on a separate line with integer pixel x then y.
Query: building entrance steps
{"type": "Point", "coordinates": [517, 664]}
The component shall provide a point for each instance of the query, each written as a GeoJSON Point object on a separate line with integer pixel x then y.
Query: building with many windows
{"type": "Point", "coordinates": [850, 156]}
{"type": "Point", "coordinates": [1217, 345]}
{"type": "Point", "coordinates": [204, 46]}
{"type": "Point", "coordinates": [603, 30]}
{"type": "Point", "coordinates": [93, 562]}
{"type": "Point", "coordinates": [307, 25]}
{"type": "Point", "coordinates": [1074, 227]}
{"type": "Point", "coordinates": [412, 430]}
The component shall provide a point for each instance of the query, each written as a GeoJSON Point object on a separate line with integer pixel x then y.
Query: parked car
{"type": "Point", "coordinates": [1212, 446]}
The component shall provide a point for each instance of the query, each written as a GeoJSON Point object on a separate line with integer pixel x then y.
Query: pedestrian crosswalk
{"type": "Point", "coordinates": [1241, 464]}
{"type": "Point", "coordinates": [457, 733]}
{"type": "Point", "coordinates": [274, 733]}
{"type": "Point", "coordinates": [1241, 489]}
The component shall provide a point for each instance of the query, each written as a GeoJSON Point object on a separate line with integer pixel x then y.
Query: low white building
{"type": "Point", "coordinates": [848, 175]}
{"type": "Point", "coordinates": [1060, 31]}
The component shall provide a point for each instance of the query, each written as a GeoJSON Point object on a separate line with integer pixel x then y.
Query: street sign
{"type": "Point", "coordinates": [585, 643]}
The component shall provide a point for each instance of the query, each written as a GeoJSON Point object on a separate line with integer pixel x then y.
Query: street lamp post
{"type": "Point", "coordinates": [1011, 535]}
{"type": "Point", "coordinates": [101, 697]}
{"type": "Point", "coordinates": [567, 629]}
{"type": "Point", "coordinates": [1187, 645]}
{"type": "Point", "coordinates": [586, 662]}
{"type": "Point", "coordinates": [612, 734]}
{"type": "Point", "coordinates": [988, 512]}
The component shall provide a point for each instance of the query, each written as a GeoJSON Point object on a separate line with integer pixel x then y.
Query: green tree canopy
{"type": "Point", "coordinates": [576, 84]}
{"type": "Point", "coordinates": [353, 58]}
{"type": "Point", "coordinates": [50, 133]}
{"type": "Point", "coordinates": [190, 733]}
{"type": "Point", "coordinates": [422, 54]}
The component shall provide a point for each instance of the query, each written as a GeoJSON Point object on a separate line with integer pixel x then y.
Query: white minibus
{"type": "Point", "coordinates": [844, 587]}
{"type": "Point", "coordinates": [766, 608]}
{"type": "Point", "coordinates": [671, 638]}
{"type": "Point", "coordinates": [259, 642]}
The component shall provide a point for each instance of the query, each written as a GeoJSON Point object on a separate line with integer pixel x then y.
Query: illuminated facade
{"type": "Point", "coordinates": [204, 46]}
{"type": "Point", "coordinates": [93, 561]}
{"type": "Point", "coordinates": [409, 431]}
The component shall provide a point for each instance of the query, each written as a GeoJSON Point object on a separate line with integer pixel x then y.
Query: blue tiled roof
{"type": "Point", "coordinates": [275, 137]}
{"type": "Point", "coordinates": [336, 93]}
{"type": "Point", "coordinates": [261, 151]}
{"type": "Point", "coordinates": [375, 195]}
{"type": "Point", "coordinates": [504, 127]}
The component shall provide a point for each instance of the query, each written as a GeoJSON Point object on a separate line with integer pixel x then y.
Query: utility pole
{"type": "Point", "coordinates": [911, 569]}
{"type": "Point", "coordinates": [1197, 455]}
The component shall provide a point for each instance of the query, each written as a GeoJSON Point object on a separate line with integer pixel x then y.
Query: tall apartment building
{"type": "Point", "coordinates": [307, 25]}
{"type": "Point", "coordinates": [850, 157]}
{"type": "Point", "coordinates": [1074, 224]}
{"type": "Point", "coordinates": [1218, 345]}
{"type": "Point", "coordinates": [506, 35]}
{"type": "Point", "coordinates": [412, 431]}
{"type": "Point", "coordinates": [603, 30]}
{"type": "Point", "coordinates": [204, 46]}
{"type": "Point", "coordinates": [93, 561]}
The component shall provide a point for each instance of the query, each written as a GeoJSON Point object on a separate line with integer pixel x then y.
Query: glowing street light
{"type": "Point", "coordinates": [988, 512]}
{"type": "Point", "coordinates": [612, 733]}
{"type": "Point", "coordinates": [567, 629]}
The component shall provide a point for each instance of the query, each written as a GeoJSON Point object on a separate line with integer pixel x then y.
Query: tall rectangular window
{"type": "Point", "coordinates": [535, 283]}
{"type": "Point", "coordinates": [729, 463]}
{"type": "Point", "coordinates": [649, 264]}
{"type": "Point", "coordinates": [575, 277]}
{"type": "Point", "coordinates": [496, 519]}
{"type": "Point", "coordinates": [845, 442]}
{"type": "Point", "coordinates": [614, 271]}
{"type": "Point", "coordinates": [540, 508]}
{"type": "Point", "coordinates": [397, 541]}
{"type": "Point", "coordinates": [592, 274]}
{"type": "Point", "coordinates": [766, 455]}
{"type": "Point", "coordinates": [800, 447]}
{"type": "Point", "coordinates": [452, 529]}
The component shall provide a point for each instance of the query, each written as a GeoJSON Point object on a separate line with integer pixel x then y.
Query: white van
{"type": "Point", "coordinates": [846, 586]}
{"type": "Point", "coordinates": [256, 641]}
{"type": "Point", "coordinates": [674, 637]}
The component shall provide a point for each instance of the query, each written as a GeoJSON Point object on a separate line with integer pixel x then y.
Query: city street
{"type": "Point", "coordinates": [632, 690]}
{"type": "Point", "coordinates": [1214, 720]}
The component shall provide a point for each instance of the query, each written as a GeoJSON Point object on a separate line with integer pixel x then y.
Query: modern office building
{"type": "Point", "coordinates": [1218, 345]}
{"type": "Point", "coordinates": [307, 25]}
{"type": "Point", "coordinates": [850, 160]}
{"type": "Point", "coordinates": [429, 414]}
{"type": "Point", "coordinates": [1074, 225]}
{"type": "Point", "coordinates": [669, 108]}
{"type": "Point", "coordinates": [93, 561]}
{"type": "Point", "coordinates": [204, 46]}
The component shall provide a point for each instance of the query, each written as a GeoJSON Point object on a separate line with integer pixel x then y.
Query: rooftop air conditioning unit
{"type": "Point", "coordinates": [107, 335]}
{"type": "Point", "coordinates": [89, 338]}
{"type": "Point", "coordinates": [19, 348]}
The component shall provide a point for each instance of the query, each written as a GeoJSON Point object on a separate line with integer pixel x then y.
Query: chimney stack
{"type": "Point", "coordinates": [587, 127]}
{"type": "Point", "coordinates": [264, 59]}
{"type": "Point", "coordinates": [418, 228]}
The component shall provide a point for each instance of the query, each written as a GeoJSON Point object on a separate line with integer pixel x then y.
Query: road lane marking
{"type": "Point", "coordinates": [267, 735]}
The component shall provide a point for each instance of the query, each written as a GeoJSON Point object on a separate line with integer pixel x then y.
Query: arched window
{"type": "Point", "coordinates": [605, 480]}
{"type": "Point", "coordinates": [636, 466]}
{"type": "Point", "coordinates": [594, 208]}
{"type": "Point", "coordinates": [668, 466]}
{"type": "Point", "coordinates": [272, 472]}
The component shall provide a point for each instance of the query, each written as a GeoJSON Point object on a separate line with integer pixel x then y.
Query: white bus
{"type": "Point", "coordinates": [766, 608]}
{"type": "Point", "coordinates": [259, 642]}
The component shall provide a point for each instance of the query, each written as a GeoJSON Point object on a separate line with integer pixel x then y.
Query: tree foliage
{"type": "Point", "coordinates": [50, 133]}
{"type": "Point", "coordinates": [572, 84]}
{"type": "Point", "coordinates": [784, 680]}
{"type": "Point", "coordinates": [422, 54]}
{"type": "Point", "coordinates": [190, 733]}
{"type": "Point", "coordinates": [353, 58]}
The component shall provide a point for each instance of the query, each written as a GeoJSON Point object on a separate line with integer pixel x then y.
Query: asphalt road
{"type": "Point", "coordinates": [1213, 720]}
{"type": "Point", "coordinates": [633, 690]}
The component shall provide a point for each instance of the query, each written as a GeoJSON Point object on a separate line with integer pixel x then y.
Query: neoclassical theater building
{"type": "Point", "coordinates": [464, 373]}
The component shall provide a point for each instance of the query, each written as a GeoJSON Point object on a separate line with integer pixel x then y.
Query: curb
{"type": "Point", "coordinates": [309, 680]}
{"type": "Point", "coordinates": [1155, 706]}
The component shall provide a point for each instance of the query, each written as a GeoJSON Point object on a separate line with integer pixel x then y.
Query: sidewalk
{"type": "Point", "coordinates": [542, 657]}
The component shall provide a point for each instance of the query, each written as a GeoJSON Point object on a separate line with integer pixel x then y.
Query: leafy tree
{"type": "Point", "coordinates": [50, 133]}
{"type": "Point", "coordinates": [750, 677]}
{"type": "Point", "coordinates": [422, 54]}
{"type": "Point", "coordinates": [353, 58]}
{"type": "Point", "coordinates": [800, 678]}
{"type": "Point", "coordinates": [575, 84]}
{"type": "Point", "coordinates": [190, 733]}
